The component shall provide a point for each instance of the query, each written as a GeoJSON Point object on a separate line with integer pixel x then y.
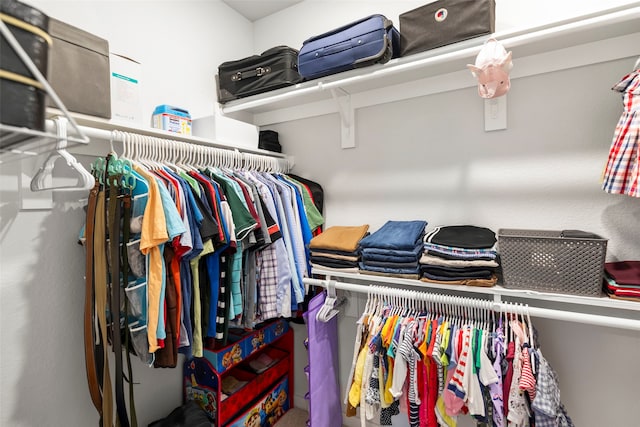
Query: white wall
{"type": "Point", "coordinates": [42, 371]}
{"type": "Point", "coordinates": [429, 158]}
{"type": "Point", "coordinates": [180, 44]}
{"type": "Point", "coordinates": [565, 118]}
{"type": "Point", "coordinates": [295, 24]}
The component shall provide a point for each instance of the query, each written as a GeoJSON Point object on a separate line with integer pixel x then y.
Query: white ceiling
{"type": "Point", "coordinates": [256, 9]}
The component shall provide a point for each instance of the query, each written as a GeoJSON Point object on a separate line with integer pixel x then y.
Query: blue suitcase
{"type": "Point", "coordinates": [371, 40]}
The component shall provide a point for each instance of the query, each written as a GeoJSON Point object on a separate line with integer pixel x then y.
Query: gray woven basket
{"type": "Point", "coordinates": [544, 260]}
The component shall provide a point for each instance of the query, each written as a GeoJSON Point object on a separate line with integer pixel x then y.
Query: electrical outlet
{"type": "Point", "coordinates": [495, 113]}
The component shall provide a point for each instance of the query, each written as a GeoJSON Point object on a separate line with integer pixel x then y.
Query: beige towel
{"type": "Point", "coordinates": [340, 238]}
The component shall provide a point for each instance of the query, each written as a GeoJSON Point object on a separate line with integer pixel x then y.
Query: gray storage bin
{"type": "Point", "coordinates": [570, 262]}
{"type": "Point", "coordinates": [79, 70]}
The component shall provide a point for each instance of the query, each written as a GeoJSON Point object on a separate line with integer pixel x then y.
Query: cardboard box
{"type": "Point", "coordinates": [79, 65]}
{"type": "Point", "coordinates": [126, 90]}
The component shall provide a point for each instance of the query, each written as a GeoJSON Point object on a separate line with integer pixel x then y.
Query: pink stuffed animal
{"type": "Point", "coordinates": [492, 67]}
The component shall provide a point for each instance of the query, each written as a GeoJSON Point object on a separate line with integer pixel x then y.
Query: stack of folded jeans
{"type": "Point", "coordinates": [394, 249]}
{"type": "Point", "coordinates": [337, 248]}
{"type": "Point", "coordinates": [461, 255]}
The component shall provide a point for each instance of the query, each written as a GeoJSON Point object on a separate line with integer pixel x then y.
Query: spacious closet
{"type": "Point", "coordinates": [419, 151]}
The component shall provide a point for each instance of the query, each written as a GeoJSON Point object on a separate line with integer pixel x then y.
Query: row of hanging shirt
{"type": "Point", "coordinates": [226, 244]}
{"type": "Point", "coordinates": [436, 366]}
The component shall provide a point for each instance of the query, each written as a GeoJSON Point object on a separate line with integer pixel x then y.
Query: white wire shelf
{"type": "Point", "coordinates": [100, 129]}
{"type": "Point", "coordinates": [18, 142]}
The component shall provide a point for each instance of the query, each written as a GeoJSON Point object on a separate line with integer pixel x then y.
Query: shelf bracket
{"type": "Point", "coordinates": [347, 117]}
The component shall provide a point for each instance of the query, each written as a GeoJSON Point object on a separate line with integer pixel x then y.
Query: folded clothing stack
{"type": "Point", "coordinates": [337, 248]}
{"type": "Point", "coordinates": [461, 255]}
{"type": "Point", "coordinates": [394, 249]}
{"type": "Point", "coordinates": [622, 280]}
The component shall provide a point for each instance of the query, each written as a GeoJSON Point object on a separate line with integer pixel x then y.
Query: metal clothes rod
{"type": "Point", "coordinates": [585, 318]}
{"type": "Point", "coordinates": [157, 147]}
{"type": "Point", "coordinates": [119, 130]}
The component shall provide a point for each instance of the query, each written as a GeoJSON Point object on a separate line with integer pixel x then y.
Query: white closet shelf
{"type": "Point", "coordinates": [372, 84]}
{"type": "Point", "coordinates": [99, 128]}
{"type": "Point", "coordinates": [497, 291]}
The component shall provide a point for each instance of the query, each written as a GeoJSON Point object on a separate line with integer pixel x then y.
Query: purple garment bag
{"type": "Point", "coordinates": [325, 409]}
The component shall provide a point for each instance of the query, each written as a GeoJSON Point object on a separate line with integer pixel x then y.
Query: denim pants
{"type": "Point", "coordinates": [398, 235]}
{"type": "Point", "coordinates": [388, 270]}
{"type": "Point", "coordinates": [390, 255]}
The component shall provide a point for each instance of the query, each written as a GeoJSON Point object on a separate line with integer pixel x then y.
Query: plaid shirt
{"type": "Point", "coordinates": [267, 280]}
{"type": "Point", "coordinates": [547, 408]}
{"type": "Point", "coordinates": [622, 172]}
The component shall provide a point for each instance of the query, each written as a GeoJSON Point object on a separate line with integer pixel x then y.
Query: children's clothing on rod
{"type": "Point", "coordinates": [436, 362]}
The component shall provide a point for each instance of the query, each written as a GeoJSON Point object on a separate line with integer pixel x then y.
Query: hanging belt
{"type": "Point", "coordinates": [115, 213]}
{"type": "Point", "coordinates": [100, 266]}
{"type": "Point", "coordinates": [126, 222]}
{"type": "Point", "coordinates": [89, 338]}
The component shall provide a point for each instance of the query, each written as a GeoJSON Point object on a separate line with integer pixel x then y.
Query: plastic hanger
{"type": "Point", "coordinates": [43, 178]}
{"type": "Point", "coordinates": [328, 310]}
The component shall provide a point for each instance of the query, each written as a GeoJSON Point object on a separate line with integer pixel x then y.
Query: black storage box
{"type": "Point", "coordinates": [445, 22]}
{"type": "Point", "coordinates": [79, 70]}
{"type": "Point", "coordinates": [22, 103]}
{"type": "Point", "coordinates": [274, 68]}
{"type": "Point", "coordinates": [269, 140]}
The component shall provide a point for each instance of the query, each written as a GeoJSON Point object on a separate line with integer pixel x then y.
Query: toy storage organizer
{"type": "Point", "coordinates": [261, 397]}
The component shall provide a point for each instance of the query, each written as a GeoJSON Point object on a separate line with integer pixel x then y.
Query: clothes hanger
{"type": "Point", "coordinates": [139, 151]}
{"type": "Point", "coordinates": [415, 303]}
{"type": "Point", "coordinates": [329, 309]}
{"type": "Point", "coordinates": [532, 343]}
{"type": "Point", "coordinates": [412, 299]}
{"type": "Point", "coordinates": [43, 178]}
{"type": "Point", "coordinates": [172, 158]}
{"type": "Point", "coordinates": [152, 152]}
{"type": "Point", "coordinates": [507, 335]}
{"type": "Point", "coordinates": [158, 152]}
{"type": "Point", "coordinates": [367, 304]}
{"type": "Point", "coordinates": [182, 159]}
{"type": "Point", "coordinates": [531, 337]}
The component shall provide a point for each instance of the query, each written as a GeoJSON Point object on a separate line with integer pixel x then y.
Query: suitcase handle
{"type": "Point", "coordinates": [386, 23]}
{"type": "Point", "coordinates": [258, 72]}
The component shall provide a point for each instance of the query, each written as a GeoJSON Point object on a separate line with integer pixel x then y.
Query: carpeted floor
{"type": "Point", "coordinates": [293, 418]}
